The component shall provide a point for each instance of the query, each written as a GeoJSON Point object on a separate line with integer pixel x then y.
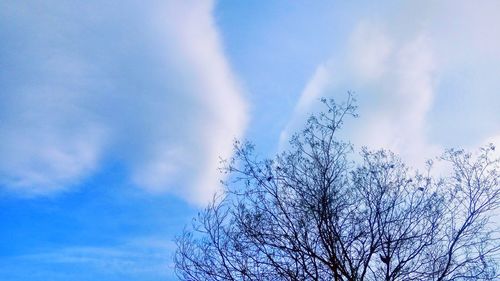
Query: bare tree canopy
{"type": "Point", "coordinates": [313, 213]}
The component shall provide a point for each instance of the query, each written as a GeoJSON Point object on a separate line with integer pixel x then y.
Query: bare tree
{"type": "Point", "coordinates": [312, 213]}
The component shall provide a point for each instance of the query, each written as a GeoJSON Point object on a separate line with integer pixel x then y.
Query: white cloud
{"type": "Point", "coordinates": [319, 82]}
{"type": "Point", "coordinates": [49, 141]}
{"type": "Point", "coordinates": [148, 86]}
{"type": "Point", "coordinates": [406, 68]}
{"type": "Point", "coordinates": [399, 121]}
{"type": "Point", "coordinates": [148, 258]}
{"type": "Point", "coordinates": [212, 115]}
{"type": "Point", "coordinates": [369, 51]}
{"type": "Point", "coordinates": [397, 82]}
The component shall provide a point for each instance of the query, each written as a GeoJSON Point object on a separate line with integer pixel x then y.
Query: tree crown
{"type": "Point", "coordinates": [313, 213]}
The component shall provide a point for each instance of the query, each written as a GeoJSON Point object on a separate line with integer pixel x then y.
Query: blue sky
{"type": "Point", "coordinates": [113, 115]}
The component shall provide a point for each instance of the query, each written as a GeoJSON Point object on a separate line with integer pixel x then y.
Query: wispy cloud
{"type": "Point", "coordinates": [85, 83]}
{"type": "Point", "coordinates": [401, 66]}
{"type": "Point", "coordinates": [145, 258]}
{"type": "Point", "coordinates": [396, 85]}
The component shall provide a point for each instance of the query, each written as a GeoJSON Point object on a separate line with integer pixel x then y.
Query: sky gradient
{"type": "Point", "coordinates": [113, 117]}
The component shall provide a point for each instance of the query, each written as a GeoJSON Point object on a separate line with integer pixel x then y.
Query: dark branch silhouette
{"type": "Point", "coordinates": [312, 213]}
